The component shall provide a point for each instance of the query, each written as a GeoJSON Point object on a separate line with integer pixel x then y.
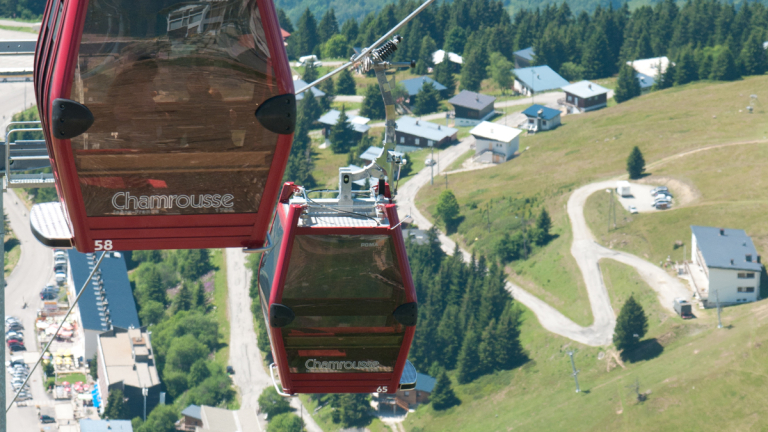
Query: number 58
{"type": "Point", "coordinates": [102, 245]}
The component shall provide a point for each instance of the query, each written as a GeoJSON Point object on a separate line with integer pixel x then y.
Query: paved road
{"type": "Point", "coordinates": [13, 23]}
{"type": "Point", "coordinates": [13, 98]}
{"type": "Point", "coordinates": [584, 249]}
{"type": "Point", "coordinates": [244, 354]}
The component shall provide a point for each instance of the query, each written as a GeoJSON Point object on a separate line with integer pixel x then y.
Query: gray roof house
{"type": "Point", "coordinates": [358, 123]}
{"type": "Point", "coordinates": [725, 265]}
{"type": "Point", "coordinates": [471, 108]}
{"type": "Point", "coordinates": [414, 85]}
{"type": "Point", "coordinates": [412, 132]}
{"type": "Point", "coordinates": [585, 96]}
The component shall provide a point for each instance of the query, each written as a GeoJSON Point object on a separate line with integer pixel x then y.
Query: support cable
{"type": "Point", "coordinates": [42, 354]}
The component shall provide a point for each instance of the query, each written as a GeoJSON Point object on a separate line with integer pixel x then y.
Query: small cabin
{"type": "Point", "coordinates": [495, 143]}
{"type": "Point", "coordinates": [524, 57]}
{"type": "Point", "coordinates": [585, 96]}
{"type": "Point", "coordinates": [540, 118]}
{"type": "Point", "coordinates": [415, 133]}
{"type": "Point", "coordinates": [471, 108]}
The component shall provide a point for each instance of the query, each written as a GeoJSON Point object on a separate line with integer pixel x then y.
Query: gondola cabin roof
{"type": "Point", "coordinates": [168, 124]}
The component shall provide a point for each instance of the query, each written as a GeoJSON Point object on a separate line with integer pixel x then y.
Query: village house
{"type": "Point", "coordinates": [585, 96]}
{"type": "Point", "coordinates": [299, 83]}
{"type": "Point", "coordinates": [651, 67]}
{"type": "Point", "coordinates": [414, 85]}
{"type": "Point", "coordinates": [495, 143]}
{"type": "Point", "coordinates": [415, 133]}
{"type": "Point", "coordinates": [540, 118]}
{"type": "Point", "coordinates": [537, 79]}
{"type": "Point", "coordinates": [211, 419]}
{"type": "Point", "coordinates": [329, 119]}
{"type": "Point", "coordinates": [471, 108]}
{"type": "Point", "coordinates": [725, 266]}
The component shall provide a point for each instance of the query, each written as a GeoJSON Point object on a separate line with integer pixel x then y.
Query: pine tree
{"type": "Point", "coordinates": [595, 59]}
{"type": "Point", "coordinates": [449, 334]}
{"type": "Point", "coordinates": [342, 134]}
{"type": "Point", "coordinates": [686, 68]}
{"type": "Point", "coordinates": [627, 86]}
{"type": "Point", "coordinates": [424, 60]}
{"type": "Point", "coordinates": [310, 73]}
{"type": "Point", "coordinates": [300, 164]}
{"type": "Point", "coordinates": [544, 222]}
{"type": "Point", "coordinates": [444, 75]}
{"type": "Point", "coordinates": [328, 26]}
{"type": "Point", "coordinates": [448, 208]}
{"type": "Point", "coordinates": [630, 322]}
{"type": "Point", "coordinates": [473, 69]}
{"type": "Point", "coordinates": [510, 351]}
{"type": "Point", "coordinates": [183, 299]}
{"type": "Point", "coordinates": [487, 349]}
{"type": "Point", "coordinates": [329, 89]}
{"type": "Point", "coordinates": [305, 39]}
{"type": "Point", "coordinates": [454, 41]}
{"type": "Point", "coordinates": [705, 66]}
{"type": "Point", "coordinates": [724, 68]}
{"type": "Point", "coordinates": [753, 58]}
{"type": "Point", "coordinates": [427, 99]}
{"type": "Point", "coordinates": [635, 164]}
{"type": "Point", "coordinates": [285, 22]}
{"type": "Point", "coordinates": [469, 359]}
{"type": "Point", "coordinates": [345, 83]}
{"type": "Point", "coordinates": [351, 30]}
{"type": "Point", "coordinates": [500, 71]}
{"type": "Point", "coordinates": [373, 104]}
{"type": "Point", "coordinates": [442, 396]}
{"type": "Point", "coordinates": [116, 408]}
{"type": "Point", "coordinates": [199, 296]}
{"type": "Point", "coordinates": [666, 79]}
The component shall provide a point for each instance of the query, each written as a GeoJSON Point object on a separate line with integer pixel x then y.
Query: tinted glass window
{"type": "Point", "coordinates": [269, 261]}
{"type": "Point", "coordinates": [173, 87]}
{"type": "Point", "coordinates": [343, 290]}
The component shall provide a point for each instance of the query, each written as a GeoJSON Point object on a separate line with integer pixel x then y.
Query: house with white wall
{"type": "Point", "coordinates": [727, 265]}
{"type": "Point", "coordinates": [495, 143]}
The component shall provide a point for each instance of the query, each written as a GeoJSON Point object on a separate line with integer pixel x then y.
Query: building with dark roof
{"type": "Point", "coordinates": [537, 79]}
{"type": "Point", "coordinates": [413, 86]}
{"type": "Point", "coordinates": [412, 132]}
{"type": "Point", "coordinates": [524, 57]}
{"type": "Point", "coordinates": [724, 261]}
{"type": "Point", "coordinates": [471, 108]}
{"type": "Point", "coordinates": [585, 96]}
{"type": "Point", "coordinates": [191, 418]}
{"type": "Point", "coordinates": [541, 118]}
{"type": "Point", "coordinates": [108, 299]}
{"type": "Point", "coordinates": [127, 363]}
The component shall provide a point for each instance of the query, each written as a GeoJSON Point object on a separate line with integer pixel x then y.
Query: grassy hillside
{"type": "Point", "coordinates": [595, 146]}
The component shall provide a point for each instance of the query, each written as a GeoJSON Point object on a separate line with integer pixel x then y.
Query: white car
{"type": "Point", "coordinates": [633, 209]}
{"type": "Point", "coordinates": [429, 162]}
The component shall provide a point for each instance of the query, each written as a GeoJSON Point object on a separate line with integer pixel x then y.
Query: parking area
{"type": "Point", "coordinates": [640, 198]}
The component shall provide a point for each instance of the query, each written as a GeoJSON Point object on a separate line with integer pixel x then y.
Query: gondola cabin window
{"type": "Point", "coordinates": [173, 87]}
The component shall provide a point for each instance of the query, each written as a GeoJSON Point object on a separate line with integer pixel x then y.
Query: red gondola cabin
{"type": "Point", "coordinates": [337, 295]}
{"type": "Point", "coordinates": [168, 122]}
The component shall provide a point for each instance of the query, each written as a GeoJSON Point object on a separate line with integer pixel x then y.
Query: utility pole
{"type": "Point", "coordinates": [717, 299]}
{"type": "Point", "coordinates": [575, 372]}
{"type": "Point", "coordinates": [432, 168]}
{"type": "Point", "coordinates": [446, 180]}
{"type": "Point", "coordinates": [613, 209]}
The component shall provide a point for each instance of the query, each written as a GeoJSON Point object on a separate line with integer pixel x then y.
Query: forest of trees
{"type": "Point", "coordinates": [184, 330]}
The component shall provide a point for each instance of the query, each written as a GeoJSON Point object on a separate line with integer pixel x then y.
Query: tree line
{"type": "Point", "coordinates": [184, 333]}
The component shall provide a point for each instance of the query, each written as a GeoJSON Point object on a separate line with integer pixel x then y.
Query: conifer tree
{"type": "Point", "coordinates": [627, 86]}
{"type": "Point", "coordinates": [444, 75]}
{"type": "Point", "coordinates": [469, 359]}
{"type": "Point", "coordinates": [198, 296]}
{"type": "Point", "coordinates": [285, 22]}
{"type": "Point", "coordinates": [427, 99]}
{"type": "Point", "coordinates": [473, 70]}
{"type": "Point", "coordinates": [686, 68]}
{"type": "Point", "coordinates": [183, 299]}
{"type": "Point", "coordinates": [635, 164]}
{"type": "Point", "coordinates": [310, 73]}
{"type": "Point", "coordinates": [455, 41]}
{"type": "Point", "coordinates": [630, 322]}
{"type": "Point", "coordinates": [305, 39]}
{"type": "Point", "coordinates": [544, 222]}
{"type": "Point", "coordinates": [116, 408]}
{"type": "Point", "coordinates": [705, 66]}
{"type": "Point", "coordinates": [351, 30]}
{"type": "Point", "coordinates": [373, 104]}
{"type": "Point", "coordinates": [328, 26]}
{"type": "Point", "coordinates": [724, 67]}
{"type": "Point", "coordinates": [345, 83]}
{"type": "Point", "coordinates": [309, 109]}
{"type": "Point", "coordinates": [509, 353]}
{"type": "Point", "coordinates": [448, 208]}
{"type": "Point", "coordinates": [595, 59]}
{"type": "Point", "coordinates": [424, 60]}
{"type": "Point", "coordinates": [300, 164]}
{"type": "Point", "coordinates": [342, 134]}
{"type": "Point", "coordinates": [442, 396]}
{"type": "Point", "coordinates": [753, 58]}
{"type": "Point", "coordinates": [449, 336]}
{"type": "Point", "coordinates": [487, 350]}
{"type": "Point", "coordinates": [329, 89]}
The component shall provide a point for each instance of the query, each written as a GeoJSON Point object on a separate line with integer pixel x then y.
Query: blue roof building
{"type": "Point", "coordinates": [524, 57]}
{"type": "Point", "coordinates": [541, 118]}
{"type": "Point", "coordinates": [537, 78]}
{"type": "Point", "coordinates": [411, 131]}
{"type": "Point", "coordinates": [300, 83]}
{"type": "Point", "coordinates": [645, 81]}
{"type": "Point", "coordinates": [89, 425]}
{"type": "Point", "coordinates": [724, 261]}
{"type": "Point", "coordinates": [413, 86]}
{"type": "Point", "coordinates": [108, 299]}
{"type": "Point", "coordinates": [425, 382]}
{"type": "Point", "coordinates": [332, 117]}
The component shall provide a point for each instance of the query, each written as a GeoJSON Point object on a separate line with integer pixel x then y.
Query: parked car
{"type": "Point", "coordinates": [656, 190]}
{"type": "Point", "coordinates": [61, 277]}
{"type": "Point", "coordinates": [14, 341]}
{"type": "Point", "coordinates": [429, 162]}
{"type": "Point", "coordinates": [11, 318]}
{"type": "Point", "coordinates": [16, 347]}
{"type": "Point", "coordinates": [230, 370]}
{"type": "Point", "coordinates": [14, 326]}
{"type": "Point", "coordinates": [662, 193]}
{"type": "Point", "coordinates": [14, 335]}
{"type": "Point", "coordinates": [633, 209]}
{"type": "Point", "coordinates": [47, 419]}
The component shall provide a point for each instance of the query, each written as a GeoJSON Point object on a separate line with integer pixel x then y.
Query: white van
{"type": "Point", "coordinates": [309, 59]}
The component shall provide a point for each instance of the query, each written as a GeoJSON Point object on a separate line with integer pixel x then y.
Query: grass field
{"type": "Point", "coordinates": [595, 146]}
{"type": "Point", "coordinates": [220, 296]}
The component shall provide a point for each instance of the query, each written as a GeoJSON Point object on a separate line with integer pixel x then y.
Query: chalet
{"type": "Point", "coordinates": [413, 86]}
{"type": "Point", "coordinates": [409, 399]}
{"type": "Point", "coordinates": [211, 419]}
{"type": "Point", "coordinates": [126, 362]}
{"type": "Point", "coordinates": [107, 300]}
{"type": "Point", "coordinates": [471, 108]}
{"type": "Point", "coordinates": [646, 82]}
{"type": "Point", "coordinates": [585, 96]}
{"type": "Point", "coordinates": [651, 67]}
{"type": "Point", "coordinates": [537, 79]}
{"type": "Point", "coordinates": [285, 36]}
{"type": "Point", "coordinates": [412, 132]}
{"type": "Point", "coordinates": [725, 266]}
{"type": "Point", "coordinates": [329, 119]}
{"type": "Point", "coordinates": [524, 57]}
{"type": "Point", "coordinates": [299, 83]}
{"type": "Point", "coordinates": [191, 418]}
{"type": "Point", "coordinates": [541, 118]}
{"type": "Point", "coordinates": [495, 143]}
